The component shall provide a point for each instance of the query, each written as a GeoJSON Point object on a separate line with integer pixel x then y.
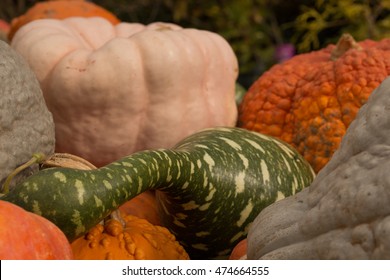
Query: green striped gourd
{"type": "Point", "coordinates": [210, 188]}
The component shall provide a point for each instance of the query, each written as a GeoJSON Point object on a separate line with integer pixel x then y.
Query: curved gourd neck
{"type": "Point", "coordinates": [147, 170]}
{"type": "Point", "coordinates": [97, 192]}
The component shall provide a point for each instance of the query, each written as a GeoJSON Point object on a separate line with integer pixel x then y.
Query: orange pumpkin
{"type": "Point", "coordinates": [143, 206]}
{"type": "Point", "coordinates": [60, 9]}
{"type": "Point", "coordinates": [27, 236]}
{"type": "Point", "coordinates": [137, 239]}
{"type": "Point", "coordinates": [310, 99]}
{"type": "Point", "coordinates": [239, 251]}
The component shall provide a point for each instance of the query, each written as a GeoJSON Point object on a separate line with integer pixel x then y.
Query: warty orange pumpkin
{"type": "Point", "coordinates": [310, 99]}
{"type": "Point", "coordinates": [60, 9]}
{"type": "Point", "coordinates": [136, 239]}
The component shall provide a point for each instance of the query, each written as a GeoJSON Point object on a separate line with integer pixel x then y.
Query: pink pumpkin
{"type": "Point", "coordinates": [115, 90]}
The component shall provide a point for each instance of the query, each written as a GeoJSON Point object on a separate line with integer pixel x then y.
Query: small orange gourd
{"type": "Point", "coordinates": [60, 9]}
{"type": "Point", "coordinates": [137, 239]}
{"type": "Point", "coordinates": [310, 99]}
{"type": "Point", "coordinates": [239, 251]}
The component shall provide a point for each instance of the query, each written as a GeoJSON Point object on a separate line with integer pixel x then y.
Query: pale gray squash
{"type": "Point", "coordinates": [345, 212]}
{"type": "Point", "coordinates": [26, 125]}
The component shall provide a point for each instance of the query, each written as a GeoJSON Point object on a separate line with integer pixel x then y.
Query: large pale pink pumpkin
{"type": "Point", "coordinates": [115, 90]}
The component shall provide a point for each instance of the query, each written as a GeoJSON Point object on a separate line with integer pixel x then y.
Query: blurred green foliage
{"type": "Point", "coordinates": [324, 22]}
{"type": "Point", "coordinates": [254, 28]}
{"type": "Point", "coordinates": [12, 8]}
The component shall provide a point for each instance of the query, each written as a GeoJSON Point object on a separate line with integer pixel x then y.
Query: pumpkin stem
{"type": "Point", "coordinates": [117, 216]}
{"type": "Point", "coordinates": [66, 160]}
{"type": "Point", "coordinates": [345, 43]}
{"type": "Point", "coordinates": [36, 158]}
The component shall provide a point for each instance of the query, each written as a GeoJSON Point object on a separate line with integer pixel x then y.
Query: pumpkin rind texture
{"type": "Point", "coordinates": [113, 92]}
{"type": "Point", "coordinates": [345, 212]}
{"type": "Point", "coordinates": [311, 99]}
{"type": "Point", "coordinates": [26, 125]}
{"type": "Point", "coordinates": [28, 236]}
{"type": "Point", "coordinates": [136, 240]}
{"type": "Point", "coordinates": [209, 188]}
{"type": "Point", "coordinates": [143, 206]}
{"type": "Point", "coordinates": [239, 251]}
{"type": "Point", "coordinates": [60, 10]}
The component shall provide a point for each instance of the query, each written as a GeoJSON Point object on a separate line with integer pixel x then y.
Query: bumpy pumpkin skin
{"type": "Point", "coordinates": [137, 240]}
{"type": "Point", "coordinates": [60, 10]}
{"type": "Point", "coordinates": [310, 100]}
{"type": "Point", "coordinates": [27, 236]}
{"type": "Point", "coordinates": [26, 125]}
{"type": "Point", "coordinates": [112, 91]}
{"type": "Point", "coordinates": [345, 212]}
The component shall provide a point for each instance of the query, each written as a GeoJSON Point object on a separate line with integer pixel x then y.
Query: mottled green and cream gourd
{"type": "Point", "coordinates": [210, 187]}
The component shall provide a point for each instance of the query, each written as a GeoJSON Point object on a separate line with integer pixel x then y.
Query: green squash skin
{"type": "Point", "coordinates": [210, 188]}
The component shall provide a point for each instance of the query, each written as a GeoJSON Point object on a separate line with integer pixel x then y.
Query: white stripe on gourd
{"type": "Point", "coordinates": [210, 186]}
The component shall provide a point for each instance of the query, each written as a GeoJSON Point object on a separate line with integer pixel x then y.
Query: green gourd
{"type": "Point", "coordinates": [210, 187]}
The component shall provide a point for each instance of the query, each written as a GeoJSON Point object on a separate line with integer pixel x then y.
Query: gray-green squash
{"type": "Point", "coordinates": [345, 212]}
{"type": "Point", "coordinates": [26, 125]}
{"type": "Point", "coordinates": [210, 187]}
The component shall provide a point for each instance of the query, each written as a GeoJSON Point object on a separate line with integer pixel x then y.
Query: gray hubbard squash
{"type": "Point", "coordinates": [209, 187]}
{"type": "Point", "coordinates": [345, 212]}
{"type": "Point", "coordinates": [26, 125]}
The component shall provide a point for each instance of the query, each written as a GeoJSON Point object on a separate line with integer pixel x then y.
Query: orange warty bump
{"type": "Point", "coordinates": [310, 99]}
